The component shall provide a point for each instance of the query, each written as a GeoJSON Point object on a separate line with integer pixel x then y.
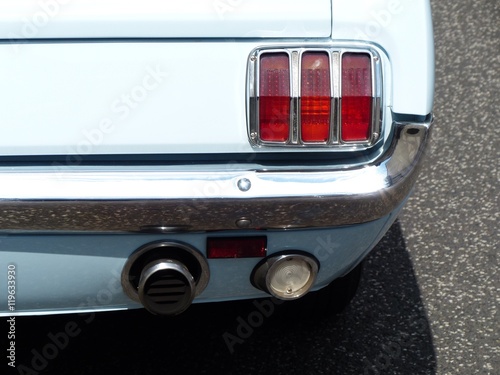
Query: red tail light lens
{"type": "Point", "coordinates": [315, 97]}
{"type": "Point", "coordinates": [274, 102]}
{"type": "Point", "coordinates": [322, 97]}
{"type": "Point", "coordinates": [236, 247]}
{"type": "Point", "coordinates": [356, 97]}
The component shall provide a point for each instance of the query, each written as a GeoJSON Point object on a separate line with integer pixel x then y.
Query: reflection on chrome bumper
{"type": "Point", "coordinates": [118, 200]}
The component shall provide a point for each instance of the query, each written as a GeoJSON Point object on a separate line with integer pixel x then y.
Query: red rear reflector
{"type": "Point", "coordinates": [236, 247]}
{"type": "Point", "coordinates": [356, 97]}
{"type": "Point", "coordinates": [274, 101]}
{"type": "Point", "coordinates": [315, 102]}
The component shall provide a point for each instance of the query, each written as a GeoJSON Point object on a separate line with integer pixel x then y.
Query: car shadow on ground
{"type": "Point", "coordinates": [383, 331]}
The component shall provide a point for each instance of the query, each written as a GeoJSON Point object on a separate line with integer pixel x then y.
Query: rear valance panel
{"type": "Point", "coordinates": [32, 19]}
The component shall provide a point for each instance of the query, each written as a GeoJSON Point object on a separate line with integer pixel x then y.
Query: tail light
{"type": "Point", "coordinates": [356, 97]}
{"type": "Point", "coordinates": [315, 96]}
{"type": "Point", "coordinates": [274, 105]}
{"type": "Point", "coordinates": [318, 97]}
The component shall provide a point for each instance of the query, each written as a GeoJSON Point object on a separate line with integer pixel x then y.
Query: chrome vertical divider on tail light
{"type": "Point", "coordinates": [312, 111]}
{"type": "Point", "coordinates": [335, 115]}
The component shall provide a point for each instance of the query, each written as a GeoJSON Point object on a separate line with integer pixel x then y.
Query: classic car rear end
{"type": "Point", "coordinates": [158, 154]}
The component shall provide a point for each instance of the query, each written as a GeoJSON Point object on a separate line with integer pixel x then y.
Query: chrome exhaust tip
{"type": "Point", "coordinates": [166, 287]}
{"type": "Point", "coordinates": [165, 277]}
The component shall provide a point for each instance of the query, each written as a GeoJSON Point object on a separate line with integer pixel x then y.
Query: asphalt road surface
{"type": "Point", "coordinates": [429, 296]}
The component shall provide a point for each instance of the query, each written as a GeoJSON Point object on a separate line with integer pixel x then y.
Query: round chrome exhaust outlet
{"type": "Point", "coordinates": [165, 277]}
{"type": "Point", "coordinates": [166, 287]}
{"type": "Point", "coordinates": [286, 276]}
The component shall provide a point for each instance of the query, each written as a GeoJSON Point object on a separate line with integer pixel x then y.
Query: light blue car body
{"type": "Point", "coordinates": [88, 157]}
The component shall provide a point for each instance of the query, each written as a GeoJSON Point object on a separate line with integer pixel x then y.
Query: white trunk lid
{"type": "Point", "coordinates": [164, 18]}
{"type": "Point", "coordinates": [140, 96]}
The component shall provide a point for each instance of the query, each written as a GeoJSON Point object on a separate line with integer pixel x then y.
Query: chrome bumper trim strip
{"type": "Point", "coordinates": [117, 200]}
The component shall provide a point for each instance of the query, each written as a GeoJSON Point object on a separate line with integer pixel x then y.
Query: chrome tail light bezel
{"type": "Point", "coordinates": [335, 53]}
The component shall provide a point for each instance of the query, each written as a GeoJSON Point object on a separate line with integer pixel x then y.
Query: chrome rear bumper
{"type": "Point", "coordinates": [162, 201]}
